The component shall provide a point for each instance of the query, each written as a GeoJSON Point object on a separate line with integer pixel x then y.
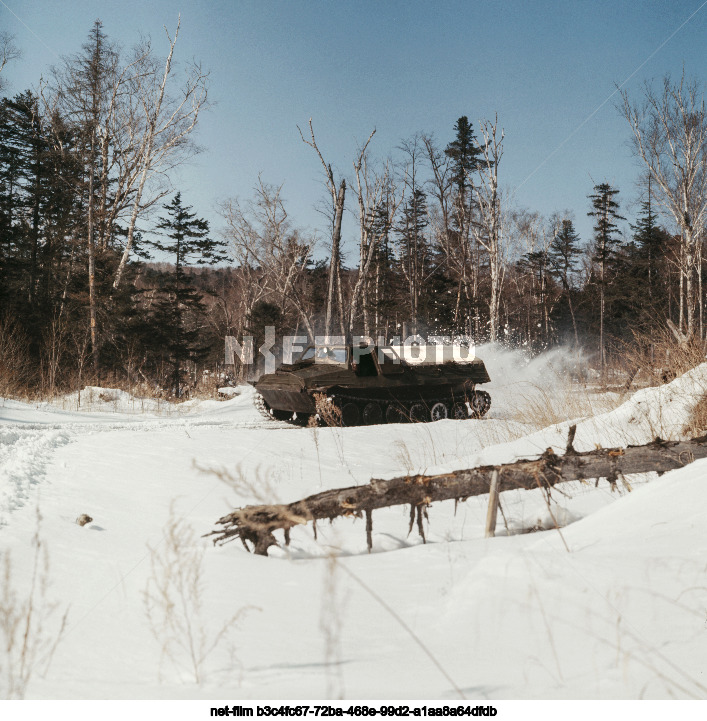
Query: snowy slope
{"type": "Point", "coordinates": [621, 615]}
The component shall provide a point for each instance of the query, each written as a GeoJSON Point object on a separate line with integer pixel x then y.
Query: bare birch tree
{"type": "Point", "coordinates": [269, 251]}
{"type": "Point", "coordinates": [84, 94]}
{"type": "Point", "coordinates": [372, 188]}
{"type": "Point", "coordinates": [8, 52]}
{"type": "Point", "coordinates": [442, 214]}
{"type": "Point", "coordinates": [489, 230]}
{"type": "Point", "coordinates": [412, 251]}
{"type": "Point", "coordinates": [670, 138]}
{"type": "Point", "coordinates": [162, 118]}
{"type": "Point", "coordinates": [337, 202]}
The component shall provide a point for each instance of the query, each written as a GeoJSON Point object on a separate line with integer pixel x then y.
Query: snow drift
{"type": "Point", "coordinates": [619, 616]}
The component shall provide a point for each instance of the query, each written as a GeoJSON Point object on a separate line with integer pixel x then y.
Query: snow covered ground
{"type": "Point", "coordinates": [623, 614]}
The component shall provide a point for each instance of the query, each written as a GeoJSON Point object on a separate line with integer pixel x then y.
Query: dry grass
{"type": "Point", "coordinates": [650, 360]}
{"type": "Point", "coordinates": [541, 407]}
{"type": "Point", "coordinates": [696, 425]}
{"type": "Point", "coordinates": [31, 625]}
{"type": "Point", "coordinates": [331, 623]}
{"type": "Point", "coordinates": [329, 414]}
{"type": "Point", "coordinates": [174, 602]}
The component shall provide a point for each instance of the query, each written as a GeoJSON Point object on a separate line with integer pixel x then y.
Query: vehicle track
{"type": "Point", "coordinates": [24, 457]}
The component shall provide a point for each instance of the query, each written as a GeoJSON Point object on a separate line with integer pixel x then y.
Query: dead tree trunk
{"type": "Point", "coordinates": [335, 263]}
{"type": "Point", "coordinates": [257, 523]}
{"type": "Point", "coordinates": [337, 199]}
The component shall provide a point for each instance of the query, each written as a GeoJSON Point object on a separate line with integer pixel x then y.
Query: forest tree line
{"type": "Point", "coordinates": [108, 275]}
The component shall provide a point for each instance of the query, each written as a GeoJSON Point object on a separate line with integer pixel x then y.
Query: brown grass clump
{"type": "Point", "coordinates": [656, 358]}
{"type": "Point", "coordinates": [696, 425]}
{"type": "Point", "coordinates": [329, 414]}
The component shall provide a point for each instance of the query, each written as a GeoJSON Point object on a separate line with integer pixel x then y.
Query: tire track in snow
{"type": "Point", "coordinates": [26, 450]}
{"type": "Point", "coordinates": [155, 425]}
{"type": "Point", "coordinates": [24, 457]}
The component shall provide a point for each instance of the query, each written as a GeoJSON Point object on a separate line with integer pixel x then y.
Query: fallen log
{"type": "Point", "coordinates": [255, 524]}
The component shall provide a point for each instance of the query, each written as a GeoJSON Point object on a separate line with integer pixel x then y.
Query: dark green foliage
{"type": "Point", "coordinates": [263, 315]}
{"type": "Point", "coordinates": [605, 211]}
{"type": "Point", "coordinates": [648, 250]}
{"type": "Point", "coordinates": [411, 233]}
{"type": "Point", "coordinates": [564, 254]}
{"type": "Point", "coordinates": [178, 314]}
{"type": "Point", "coordinates": [641, 275]}
{"type": "Point", "coordinates": [464, 153]}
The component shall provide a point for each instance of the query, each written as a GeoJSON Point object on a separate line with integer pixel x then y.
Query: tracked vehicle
{"type": "Point", "coordinates": [368, 385]}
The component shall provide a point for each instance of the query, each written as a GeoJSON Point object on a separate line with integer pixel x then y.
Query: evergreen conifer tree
{"type": "Point", "coordinates": [643, 271]}
{"type": "Point", "coordinates": [464, 154]}
{"type": "Point", "coordinates": [177, 313]}
{"type": "Point", "coordinates": [29, 145]}
{"type": "Point", "coordinates": [413, 249]}
{"type": "Point", "coordinates": [650, 241]}
{"type": "Point", "coordinates": [605, 211]}
{"type": "Point", "coordinates": [564, 254]}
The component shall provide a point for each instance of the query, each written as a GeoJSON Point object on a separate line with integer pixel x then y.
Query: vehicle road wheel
{"type": "Point", "coordinates": [393, 414]}
{"type": "Point", "coordinates": [418, 413]}
{"type": "Point", "coordinates": [372, 414]}
{"type": "Point", "coordinates": [350, 415]}
{"type": "Point", "coordinates": [439, 411]}
{"type": "Point", "coordinates": [460, 412]}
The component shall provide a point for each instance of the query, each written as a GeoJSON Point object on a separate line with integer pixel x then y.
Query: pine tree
{"type": "Point", "coordinates": [84, 86]}
{"type": "Point", "coordinates": [28, 143]}
{"type": "Point", "coordinates": [413, 249]}
{"type": "Point", "coordinates": [25, 175]}
{"type": "Point", "coordinates": [177, 314]}
{"type": "Point", "coordinates": [564, 257]}
{"type": "Point", "coordinates": [643, 272]}
{"type": "Point", "coordinates": [464, 155]}
{"type": "Point", "coordinates": [605, 211]}
{"type": "Point", "coordinates": [379, 302]}
{"type": "Point", "coordinates": [10, 202]}
{"type": "Point", "coordinates": [650, 241]}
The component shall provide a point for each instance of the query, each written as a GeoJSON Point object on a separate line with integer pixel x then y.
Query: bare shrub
{"type": "Point", "coordinates": [16, 370]}
{"type": "Point", "coordinates": [403, 457]}
{"type": "Point", "coordinates": [174, 598]}
{"type": "Point", "coordinates": [31, 626]}
{"type": "Point", "coordinates": [260, 489]}
{"type": "Point", "coordinates": [658, 357]}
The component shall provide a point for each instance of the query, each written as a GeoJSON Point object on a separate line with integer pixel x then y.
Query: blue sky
{"type": "Point", "coordinates": [399, 67]}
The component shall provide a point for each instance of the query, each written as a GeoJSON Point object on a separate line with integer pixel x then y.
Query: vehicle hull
{"type": "Point", "coordinates": [294, 389]}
